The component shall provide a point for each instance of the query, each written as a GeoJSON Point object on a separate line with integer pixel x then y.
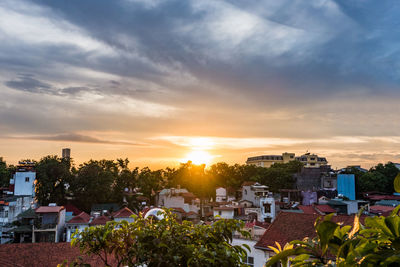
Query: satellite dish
{"type": "Point", "coordinates": [155, 213]}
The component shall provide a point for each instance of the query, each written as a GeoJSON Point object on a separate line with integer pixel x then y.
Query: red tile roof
{"type": "Point", "coordinates": [82, 217]}
{"type": "Point", "coordinates": [123, 213]}
{"type": "Point", "coordinates": [325, 209]}
{"type": "Point", "coordinates": [43, 254]}
{"type": "Point", "coordinates": [290, 226]}
{"type": "Point", "coordinates": [308, 209]}
{"type": "Point", "coordinates": [72, 208]}
{"type": "Point", "coordinates": [101, 220]}
{"type": "Point", "coordinates": [383, 210]}
{"type": "Point", "coordinates": [180, 210]}
{"type": "Point", "coordinates": [48, 209]}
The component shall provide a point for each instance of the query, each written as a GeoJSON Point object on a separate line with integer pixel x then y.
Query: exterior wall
{"type": "Point", "coordinates": [309, 160]}
{"type": "Point", "coordinates": [346, 185]}
{"type": "Point", "coordinates": [265, 214]}
{"type": "Point", "coordinates": [248, 194]}
{"type": "Point", "coordinates": [23, 187]}
{"type": "Point", "coordinates": [260, 257]}
{"type": "Point", "coordinates": [225, 214]}
{"type": "Point", "coordinates": [71, 228]}
{"type": "Point", "coordinates": [220, 193]}
{"type": "Point", "coordinates": [173, 202]}
{"type": "Point", "coordinates": [352, 207]}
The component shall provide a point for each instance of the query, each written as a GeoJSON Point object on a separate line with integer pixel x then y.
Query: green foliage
{"type": "Point", "coordinates": [163, 243]}
{"type": "Point", "coordinates": [53, 176]}
{"type": "Point", "coordinates": [377, 243]}
{"type": "Point", "coordinates": [380, 178]}
{"type": "Point", "coordinates": [5, 173]}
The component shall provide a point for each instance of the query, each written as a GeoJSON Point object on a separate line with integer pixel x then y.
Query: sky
{"type": "Point", "coordinates": [159, 81]}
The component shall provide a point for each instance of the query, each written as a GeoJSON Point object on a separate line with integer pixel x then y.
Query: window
{"type": "Point", "coordinates": [250, 261]}
{"type": "Point", "coordinates": [219, 212]}
{"type": "Point", "coordinates": [267, 208]}
{"type": "Point", "coordinates": [26, 179]}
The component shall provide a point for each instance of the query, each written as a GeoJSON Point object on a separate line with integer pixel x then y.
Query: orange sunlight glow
{"type": "Point", "coordinates": [198, 157]}
{"type": "Point", "coordinates": [199, 154]}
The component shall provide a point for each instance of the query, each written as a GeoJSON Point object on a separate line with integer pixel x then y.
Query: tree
{"type": "Point", "coordinates": [94, 183]}
{"type": "Point", "coordinates": [377, 243]}
{"type": "Point", "coordinates": [149, 182]}
{"type": "Point", "coordinates": [379, 178]}
{"type": "Point", "coordinates": [53, 176]}
{"type": "Point", "coordinates": [147, 242]}
{"type": "Point", "coordinates": [5, 173]}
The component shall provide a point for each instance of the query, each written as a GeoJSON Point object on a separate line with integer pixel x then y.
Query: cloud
{"type": "Point", "coordinates": [73, 137]}
{"type": "Point", "coordinates": [253, 74]}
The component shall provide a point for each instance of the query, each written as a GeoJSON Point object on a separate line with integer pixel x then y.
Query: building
{"type": "Point", "coordinates": [123, 214]}
{"type": "Point", "coordinates": [263, 202]}
{"type": "Point", "coordinates": [309, 160]}
{"type": "Point", "coordinates": [66, 153]}
{"type": "Point", "coordinates": [178, 198]}
{"type": "Point", "coordinates": [255, 257]}
{"type": "Point", "coordinates": [23, 180]}
{"type": "Point", "coordinates": [289, 226]}
{"type": "Point", "coordinates": [77, 223]}
{"type": "Point", "coordinates": [50, 224]}
{"type": "Point", "coordinates": [225, 212]}
{"type": "Point", "coordinates": [18, 198]}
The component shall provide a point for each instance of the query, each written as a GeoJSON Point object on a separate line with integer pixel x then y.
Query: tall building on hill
{"type": "Point", "coordinates": [309, 160]}
{"type": "Point", "coordinates": [66, 153]}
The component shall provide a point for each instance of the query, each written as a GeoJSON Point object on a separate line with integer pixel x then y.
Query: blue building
{"type": "Point", "coordinates": [346, 185]}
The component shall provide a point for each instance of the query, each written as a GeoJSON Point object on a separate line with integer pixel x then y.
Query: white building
{"type": "Point", "coordinates": [220, 194]}
{"type": "Point", "coordinates": [77, 223]}
{"type": "Point", "coordinates": [224, 212]}
{"type": "Point", "coordinates": [24, 180]}
{"type": "Point", "coordinates": [178, 198]}
{"type": "Point", "coordinates": [262, 200]}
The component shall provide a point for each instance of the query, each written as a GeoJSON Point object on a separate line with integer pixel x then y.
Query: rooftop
{"type": "Point", "coordinates": [81, 218]}
{"type": "Point", "coordinates": [101, 220]}
{"type": "Point", "coordinates": [123, 213]}
{"type": "Point", "coordinates": [290, 226]}
{"type": "Point", "coordinates": [49, 209]}
{"type": "Point", "coordinates": [42, 254]}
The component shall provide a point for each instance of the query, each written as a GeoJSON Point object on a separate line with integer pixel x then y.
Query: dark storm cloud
{"type": "Point", "coordinates": [355, 52]}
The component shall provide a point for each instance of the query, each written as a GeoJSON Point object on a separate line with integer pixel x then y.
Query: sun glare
{"type": "Point", "coordinates": [198, 157]}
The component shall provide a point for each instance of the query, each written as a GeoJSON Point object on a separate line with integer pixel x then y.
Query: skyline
{"type": "Point", "coordinates": [157, 80]}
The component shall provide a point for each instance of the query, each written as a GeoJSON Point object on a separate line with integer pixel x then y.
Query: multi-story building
{"type": "Point", "coordinates": [50, 224]}
{"type": "Point", "coordinates": [309, 160]}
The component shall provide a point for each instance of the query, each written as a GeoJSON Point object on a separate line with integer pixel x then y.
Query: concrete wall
{"type": "Point", "coordinates": [225, 214]}
{"type": "Point", "coordinates": [260, 257]}
{"type": "Point", "coordinates": [24, 183]}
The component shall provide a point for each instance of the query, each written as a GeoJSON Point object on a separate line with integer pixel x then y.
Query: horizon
{"type": "Point", "coordinates": [161, 82]}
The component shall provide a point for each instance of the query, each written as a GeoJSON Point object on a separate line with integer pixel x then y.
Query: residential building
{"type": "Point", "coordinates": [225, 212]}
{"type": "Point", "coordinates": [123, 214]}
{"type": "Point", "coordinates": [255, 257]}
{"type": "Point", "coordinates": [50, 224]}
{"type": "Point", "coordinates": [290, 226]}
{"type": "Point", "coordinates": [309, 160]}
{"type": "Point", "coordinates": [178, 198]}
{"type": "Point", "coordinates": [23, 181]}
{"type": "Point", "coordinates": [263, 202]}
{"type": "Point", "coordinates": [77, 223]}
{"type": "Point", "coordinates": [220, 194]}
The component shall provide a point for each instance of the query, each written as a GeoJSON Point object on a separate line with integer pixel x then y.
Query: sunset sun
{"type": "Point", "coordinates": [198, 157]}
